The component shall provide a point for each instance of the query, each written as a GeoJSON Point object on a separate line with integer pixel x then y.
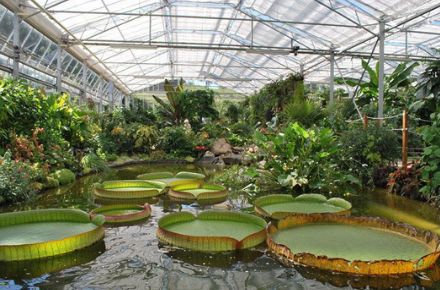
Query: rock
{"type": "Point", "coordinates": [231, 158]}
{"type": "Point", "coordinates": [208, 154]}
{"type": "Point", "coordinates": [237, 149]}
{"type": "Point", "coordinates": [246, 160]}
{"type": "Point", "coordinates": [262, 164]}
{"type": "Point", "coordinates": [252, 149]}
{"type": "Point", "coordinates": [221, 146]}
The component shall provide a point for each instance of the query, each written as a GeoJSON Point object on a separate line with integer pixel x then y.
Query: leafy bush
{"type": "Point", "coordinates": [145, 137]}
{"type": "Point", "coordinates": [431, 158]}
{"type": "Point", "coordinates": [364, 151]}
{"type": "Point", "coordinates": [64, 176]}
{"type": "Point", "coordinates": [16, 179]}
{"type": "Point", "coordinates": [305, 160]}
{"type": "Point", "coordinates": [305, 112]}
{"type": "Point", "coordinates": [176, 141]}
{"type": "Point", "coordinates": [93, 163]}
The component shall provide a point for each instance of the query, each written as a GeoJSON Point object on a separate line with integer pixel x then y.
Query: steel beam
{"type": "Point", "coordinates": [204, 18]}
{"type": "Point", "coordinates": [84, 83]}
{"type": "Point", "coordinates": [111, 94]}
{"type": "Point", "coordinates": [380, 101]}
{"type": "Point", "coordinates": [332, 77]}
{"type": "Point", "coordinates": [276, 50]}
{"type": "Point", "coordinates": [17, 45]}
{"type": "Point", "coordinates": [59, 71]}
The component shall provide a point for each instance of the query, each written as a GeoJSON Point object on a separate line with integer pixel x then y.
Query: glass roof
{"type": "Point", "coordinates": [242, 44]}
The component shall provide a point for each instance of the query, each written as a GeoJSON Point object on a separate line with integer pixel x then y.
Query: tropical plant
{"type": "Point", "coordinates": [16, 179]}
{"type": "Point", "coordinates": [171, 110]}
{"type": "Point", "coordinates": [305, 160]}
{"type": "Point", "coordinates": [393, 83]}
{"type": "Point", "coordinates": [429, 83]}
{"type": "Point", "coordinates": [431, 158]}
{"type": "Point", "coordinates": [145, 137]}
{"type": "Point", "coordinates": [176, 141]}
{"type": "Point", "coordinates": [366, 151]}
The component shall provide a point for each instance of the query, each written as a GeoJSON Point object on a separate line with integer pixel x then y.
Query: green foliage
{"type": "Point", "coordinates": [183, 104]}
{"type": "Point", "coordinates": [233, 112]}
{"type": "Point", "coordinates": [431, 158]}
{"type": "Point", "coordinates": [145, 137]}
{"type": "Point", "coordinates": [429, 84]}
{"type": "Point", "coordinates": [93, 163]}
{"type": "Point", "coordinates": [16, 179]}
{"type": "Point", "coordinates": [64, 176]}
{"type": "Point", "coordinates": [304, 112]}
{"type": "Point", "coordinates": [176, 141]}
{"type": "Point", "coordinates": [273, 98]}
{"type": "Point", "coordinates": [364, 151]}
{"type": "Point", "coordinates": [171, 111]}
{"type": "Point", "coordinates": [305, 160]}
{"type": "Point", "coordinates": [393, 84]}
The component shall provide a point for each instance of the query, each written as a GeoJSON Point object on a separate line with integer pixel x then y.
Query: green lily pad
{"type": "Point", "coordinates": [278, 206]}
{"type": "Point", "coordinates": [44, 233]}
{"type": "Point", "coordinates": [212, 231]}
{"type": "Point", "coordinates": [123, 213]}
{"type": "Point", "coordinates": [351, 242]}
{"type": "Point", "coordinates": [359, 245]}
{"type": "Point", "coordinates": [172, 180]}
{"type": "Point", "coordinates": [202, 193]}
{"type": "Point", "coordinates": [129, 189]}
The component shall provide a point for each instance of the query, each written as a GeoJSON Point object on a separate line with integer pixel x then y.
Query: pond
{"type": "Point", "coordinates": [132, 258]}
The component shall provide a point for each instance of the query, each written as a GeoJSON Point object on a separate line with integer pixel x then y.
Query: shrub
{"type": "Point", "coordinates": [64, 176]}
{"type": "Point", "coordinates": [365, 151]}
{"type": "Point", "coordinates": [16, 179]}
{"type": "Point", "coordinates": [431, 158]}
{"type": "Point", "coordinates": [305, 159]}
{"type": "Point", "coordinates": [176, 141]}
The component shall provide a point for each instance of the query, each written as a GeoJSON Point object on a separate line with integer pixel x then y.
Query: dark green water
{"type": "Point", "coordinates": [132, 258]}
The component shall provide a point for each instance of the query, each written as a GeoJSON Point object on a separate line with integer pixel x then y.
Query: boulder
{"type": "Point", "coordinates": [208, 154]}
{"type": "Point", "coordinates": [221, 146]}
{"type": "Point", "coordinates": [231, 158]}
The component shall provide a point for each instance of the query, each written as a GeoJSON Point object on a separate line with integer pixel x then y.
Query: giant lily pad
{"type": "Point", "coordinates": [37, 267]}
{"type": "Point", "coordinates": [123, 213]}
{"type": "Point", "coordinates": [129, 189]}
{"type": "Point", "coordinates": [212, 231]}
{"type": "Point", "coordinates": [278, 206]}
{"type": "Point", "coordinates": [172, 180]}
{"type": "Point", "coordinates": [357, 245]}
{"type": "Point", "coordinates": [48, 232]}
{"type": "Point", "coordinates": [202, 193]}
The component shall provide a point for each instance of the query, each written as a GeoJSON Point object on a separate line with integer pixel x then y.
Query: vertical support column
{"type": "Point", "coordinates": [84, 83]}
{"type": "Point", "coordinates": [406, 43]}
{"type": "Point", "coordinates": [59, 68]}
{"type": "Point", "coordinates": [381, 69]}
{"type": "Point", "coordinates": [301, 69]}
{"type": "Point", "coordinates": [17, 46]}
{"type": "Point", "coordinates": [110, 94]}
{"type": "Point", "coordinates": [404, 140]}
{"type": "Point", "coordinates": [332, 77]}
{"type": "Point", "coordinates": [100, 95]}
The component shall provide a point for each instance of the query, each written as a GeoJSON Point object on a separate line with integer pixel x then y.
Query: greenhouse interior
{"type": "Point", "coordinates": [230, 144]}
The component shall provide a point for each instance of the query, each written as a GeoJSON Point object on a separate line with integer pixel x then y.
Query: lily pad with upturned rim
{"type": "Point", "coordinates": [173, 180]}
{"type": "Point", "coordinates": [356, 245]}
{"type": "Point", "coordinates": [47, 232]}
{"type": "Point", "coordinates": [129, 189]}
{"type": "Point", "coordinates": [202, 193]}
{"type": "Point", "coordinates": [212, 231]}
{"type": "Point", "coordinates": [278, 206]}
{"type": "Point", "coordinates": [123, 213]}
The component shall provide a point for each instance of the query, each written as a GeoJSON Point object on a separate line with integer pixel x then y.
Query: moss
{"type": "Point", "coordinates": [64, 176]}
